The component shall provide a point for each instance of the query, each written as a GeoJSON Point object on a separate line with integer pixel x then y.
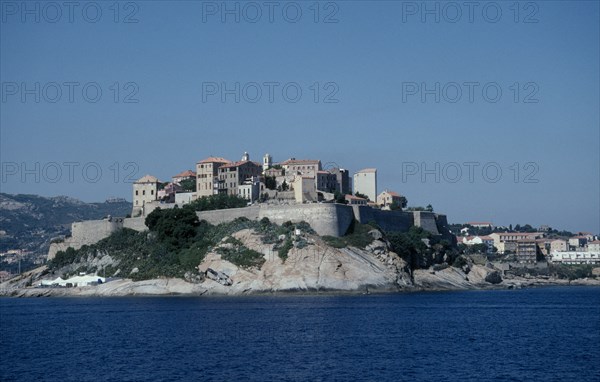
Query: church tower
{"type": "Point", "coordinates": [267, 162]}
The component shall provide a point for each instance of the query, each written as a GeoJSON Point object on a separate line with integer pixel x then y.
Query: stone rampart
{"type": "Point", "coordinates": [325, 218]}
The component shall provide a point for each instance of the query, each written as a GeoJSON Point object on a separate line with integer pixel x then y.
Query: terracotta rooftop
{"type": "Point", "coordinates": [185, 174]}
{"type": "Point", "coordinates": [238, 163]}
{"type": "Point", "coordinates": [148, 179]}
{"type": "Point", "coordinates": [353, 197]}
{"type": "Point", "coordinates": [215, 160]}
{"type": "Point", "coordinates": [300, 161]}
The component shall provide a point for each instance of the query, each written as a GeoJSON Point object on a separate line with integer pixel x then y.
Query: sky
{"type": "Point", "coordinates": [489, 111]}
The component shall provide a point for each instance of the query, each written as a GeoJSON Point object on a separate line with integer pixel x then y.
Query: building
{"type": "Point", "coordinates": [342, 180]}
{"type": "Point", "coordinates": [481, 224]}
{"type": "Point", "coordinates": [251, 189]}
{"type": "Point", "coordinates": [575, 257]}
{"type": "Point", "coordinates": [145, 190]}
{"type": "Point", "coordinates": [185, 175]}
{"type": "Point", "coordinates": [387, 198]}
{"type": "Point", "coordinates": [327, 181]}
{"type": "Point", "coordinates": [594, 246]}
{"type": "Point", "coordinates": [304, 167]}
{"type": "Point", "coordinates": [526, 251]}
{"type": "Point", "coordinates": [559, 245]}
{"type": "Point", "coordinates": [577, 242]}
{"type": "Point", "coordinates": [365, 182]}
{"type": "Point", "coordinates": [167, 193]}
{"type": "Point", "coordinates": [356, 201]}
{"type": "Point", "coordinates": [507, 241]}
{"type": "Point", "coordinates": [267, 162]}
{"type": "Point", "coordinates": [182, 198]}
{"type": "Point", "coordinates": [207, 171]}
{"type": "Point", "coordinates": [304, 189]}
{"type": "Point", "coordinates": [472, 240]}
{"type": "Point", "coordinates": [232, 175]}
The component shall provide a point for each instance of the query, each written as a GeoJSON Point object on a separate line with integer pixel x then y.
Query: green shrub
{"type": "Point", "coordinates": [283, 251]}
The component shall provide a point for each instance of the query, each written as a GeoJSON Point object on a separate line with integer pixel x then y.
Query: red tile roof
{"type": "Point", "coordinates": [215, 160]}
{"type": "Point", "coordinates": [300, 161]}
{"type": "Point", "coordinates": [185, 174]}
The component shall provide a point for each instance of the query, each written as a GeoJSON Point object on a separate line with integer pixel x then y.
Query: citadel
{"type": "Point", "coordinates": [292, 190]}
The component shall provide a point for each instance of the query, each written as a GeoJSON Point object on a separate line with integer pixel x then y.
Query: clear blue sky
{"type": "Point", "coordinates": [374, 55]}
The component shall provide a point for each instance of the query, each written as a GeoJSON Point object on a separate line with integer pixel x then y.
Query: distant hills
{"type": "Point", "coordinates": [30, 221]}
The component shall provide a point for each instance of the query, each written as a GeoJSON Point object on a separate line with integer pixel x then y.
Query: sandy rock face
{"type": "Point", "coordinates": [316, 267]}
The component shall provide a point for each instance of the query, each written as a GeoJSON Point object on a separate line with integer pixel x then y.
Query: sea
{"type": "Point", "coordinates": [539, 334]}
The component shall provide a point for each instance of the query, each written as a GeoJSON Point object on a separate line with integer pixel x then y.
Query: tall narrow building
{"type": "Point", "coordinates": [207, 171]}
{"type": "Point", "coordinates": [365, 182]}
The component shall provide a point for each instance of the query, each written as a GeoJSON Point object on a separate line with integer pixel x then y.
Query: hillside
{"type": "Point", "coordinates": [29, 222]}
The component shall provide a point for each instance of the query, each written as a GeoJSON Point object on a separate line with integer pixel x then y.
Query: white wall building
{"type": "Point", "coordinates": [575, 257]}
{"type": "Point", "coordinates": [365, 182]}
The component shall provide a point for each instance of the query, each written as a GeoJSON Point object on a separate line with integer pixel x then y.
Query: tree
{"type": "Point", "coordinates": [429, 208]}
{"type": "Point", "coordinates": [270, 182]}
{"type": "Point", "coordinates": [340, 198]}
{"type": "Point", "coordinates": [361, 195]}
{"type": "Point", "coordinates": [284, 186]}
{"type": "Point", "coordinates": [188, 185]}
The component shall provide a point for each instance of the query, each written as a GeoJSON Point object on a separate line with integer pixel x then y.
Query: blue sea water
{"type": "Point", "coordinates": [548, 334]}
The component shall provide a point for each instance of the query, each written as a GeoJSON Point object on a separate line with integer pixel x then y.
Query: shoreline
{"type": "Point", "coordinates": [181, 288]}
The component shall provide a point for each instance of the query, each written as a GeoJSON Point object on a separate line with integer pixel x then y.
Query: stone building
{"type": "Point", "coordinates": [387, 198]}
{"type": "Point", "coordinates": [326, 181]}
{"type": "Point", "coordinates": [355, 200]}
{"type": "Point", "coordinates": [207, 171]}
{"type": "Point", "coordinates": [342, 180]}
{"type": "Point", "coordinates": [365, 182]}
{"type": "Point", "coordinates": [559, 245]}
{"type": "Point", "coordinates": [232, 175]}
{"type": "Point", "coordinates": [304, 189]}
{"type": "Point", "coordinates": [185, 175]}
{"type": "Point", "coordinates": [251, 188]}
{"type": "Point", "coordinates": [304, 167]}
{"type": "Point", "coordinates": [145, 190]}
{"type": "Point", "coordinates": [507, 241]}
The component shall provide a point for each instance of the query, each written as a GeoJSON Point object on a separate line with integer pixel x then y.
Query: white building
{"type": "Point", "coordinates": [365, 182]}
{"type": "Point", "coordinates": [575, 257]}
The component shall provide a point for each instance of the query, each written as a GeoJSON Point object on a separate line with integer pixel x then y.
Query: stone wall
{"type": "Point", "coordinates": [137, 224]}
{"type": "Point", "coordinates": [387, 220]}
{"type": "Point", "coordinates": [222, 216]}
{"type": "Point", "coordinates": [426, 220]}
{"type": "Point", "coordinates": [86, 233]}
{"type": "Point", "coordinates": [325, 218]}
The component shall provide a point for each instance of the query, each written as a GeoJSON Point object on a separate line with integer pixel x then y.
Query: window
{"type": "Point", "coordinates": [136, 192]}
{"type": "Point", "coordinates": [151, 192]}
{"type": "Point", "coordinates": [144, 192]}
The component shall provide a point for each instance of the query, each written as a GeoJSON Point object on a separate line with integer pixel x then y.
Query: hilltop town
{"type": "Point", "coordinates": [292, 181]}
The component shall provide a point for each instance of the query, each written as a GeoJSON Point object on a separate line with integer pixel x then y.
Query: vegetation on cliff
{"type": "Point", "coordinates": [176, 243]}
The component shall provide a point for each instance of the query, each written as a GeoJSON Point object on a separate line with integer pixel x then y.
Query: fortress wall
{"type": "Point", "coordinates": [91, 231]}
{"type": "Point", "coordinates": [227, 215]}
{"type": "Point", "coordinates": [135, 224]}
{"type": "Point", "coordinates": [426, 220]}
{"type": "Point", "coordinates": [387, 220]}
{"type": "Point", "coordinates": [326, 219]}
